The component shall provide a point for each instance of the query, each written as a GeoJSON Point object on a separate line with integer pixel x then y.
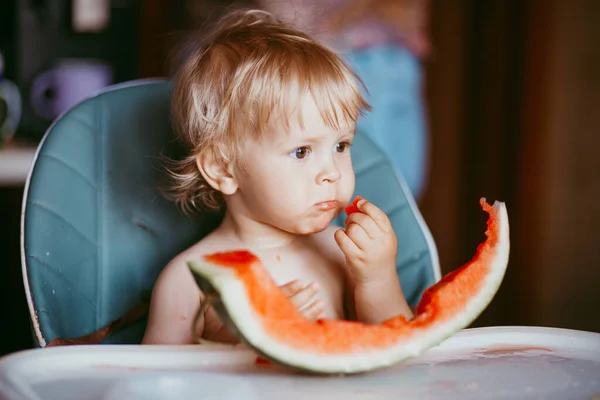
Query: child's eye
{"type": "Point", "coordinates": [342, 146]}
{"type": "Point", "coordinates": [300, 153]}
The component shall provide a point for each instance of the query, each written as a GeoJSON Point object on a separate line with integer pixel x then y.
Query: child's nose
{"type": "Point", "coordinates": [330, 173]}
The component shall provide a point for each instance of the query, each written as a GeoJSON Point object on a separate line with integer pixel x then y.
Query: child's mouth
{"type": "Point", "coordinates": [328, 205]}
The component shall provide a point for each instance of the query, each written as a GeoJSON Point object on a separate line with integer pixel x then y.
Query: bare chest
{"type": "Point", "coordinates": [307, 268]}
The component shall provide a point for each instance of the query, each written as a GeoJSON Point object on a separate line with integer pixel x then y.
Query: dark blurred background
{"type": "Point", "coordinates": [512, 90]}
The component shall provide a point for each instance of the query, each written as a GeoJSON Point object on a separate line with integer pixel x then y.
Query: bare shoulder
{"type": "Point", "coordinates": [177, 273]}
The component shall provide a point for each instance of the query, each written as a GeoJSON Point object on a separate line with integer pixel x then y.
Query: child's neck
{"type": "Point", "coordinates": [254, 234]}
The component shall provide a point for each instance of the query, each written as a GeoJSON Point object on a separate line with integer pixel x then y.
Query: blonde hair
{"type": "Point", "coordinates": [249, 68]}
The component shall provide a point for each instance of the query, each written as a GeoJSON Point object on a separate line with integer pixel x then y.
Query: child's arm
{"type": "Point", "coordinates": [369, 245]}
{"type": "Point", "coordinates": [377, 302]}
{"type": "Point", "coordinates": [175, 301]}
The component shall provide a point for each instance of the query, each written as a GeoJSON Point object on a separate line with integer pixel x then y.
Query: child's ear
{"type": "Point", "coordinates": [217, 174]}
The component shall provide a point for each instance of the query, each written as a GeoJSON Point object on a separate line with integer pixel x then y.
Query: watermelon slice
{"type": "Point", "coordinates": [252, 305]}
{"type": "Point", "coordinates": [353, 207]}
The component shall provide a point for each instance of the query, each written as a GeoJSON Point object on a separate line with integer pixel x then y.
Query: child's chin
{"type": "Point", "coordinates": [316, 226]}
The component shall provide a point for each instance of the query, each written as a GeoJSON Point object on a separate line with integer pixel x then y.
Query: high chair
{"type": "Point", "coordinates": [96, 232]}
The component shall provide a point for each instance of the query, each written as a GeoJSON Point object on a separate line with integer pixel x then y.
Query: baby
{"type": "Point", "coordinates": [268, 117]}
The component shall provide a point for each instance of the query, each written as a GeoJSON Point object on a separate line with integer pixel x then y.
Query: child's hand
{"type": "Point", "coordinates": [369, 244]}
{"type": "Point", "coordinates": [303, 298]}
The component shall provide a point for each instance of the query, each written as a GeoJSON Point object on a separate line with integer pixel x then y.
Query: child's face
{"type": "Point", "coordinates": [297, 179]}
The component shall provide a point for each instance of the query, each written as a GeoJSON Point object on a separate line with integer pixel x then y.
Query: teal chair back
{"type": "Point", "coordinates": [96, 232]}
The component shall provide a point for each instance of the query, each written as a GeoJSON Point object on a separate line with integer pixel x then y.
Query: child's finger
{"type": "Point", "coordinates": [292, 287]}
{"type": "Point", "coordinates": [314, 310]}
{"type": "Point", "coordinates": [358, 235]}
{"type": "Point", "coordinates": [348, 247]}
{"type": "Point", "coordinates": [366, 222]}
{"type": "Point", "coordinates": [380, 218]}
{"type": "Point", "coordinates": [302, 297]}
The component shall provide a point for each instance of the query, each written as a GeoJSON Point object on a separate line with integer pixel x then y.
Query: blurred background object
{"type": "Point", "coordinates": [90, 15]}
{"type": "Point", "coordinates": [41, 33]}
{"type": "Point", "coordinates": [3, 111]}
{"type": "Point", "coordinates": [10, 105]}
{"type": "Point", "coordinates": [69, 81]}
{"type": "Point", "coordinates": [513, 89]}
{"type": "Point", "coordinates": [511, 92]}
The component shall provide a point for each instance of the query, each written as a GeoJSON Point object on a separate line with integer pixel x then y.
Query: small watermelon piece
{"type": "Point", "coordinates": [251, 304]}
{"type": "Point", "coordinates": [353, 207]}
{"type": "Point", "coordinates": [262, 361]}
